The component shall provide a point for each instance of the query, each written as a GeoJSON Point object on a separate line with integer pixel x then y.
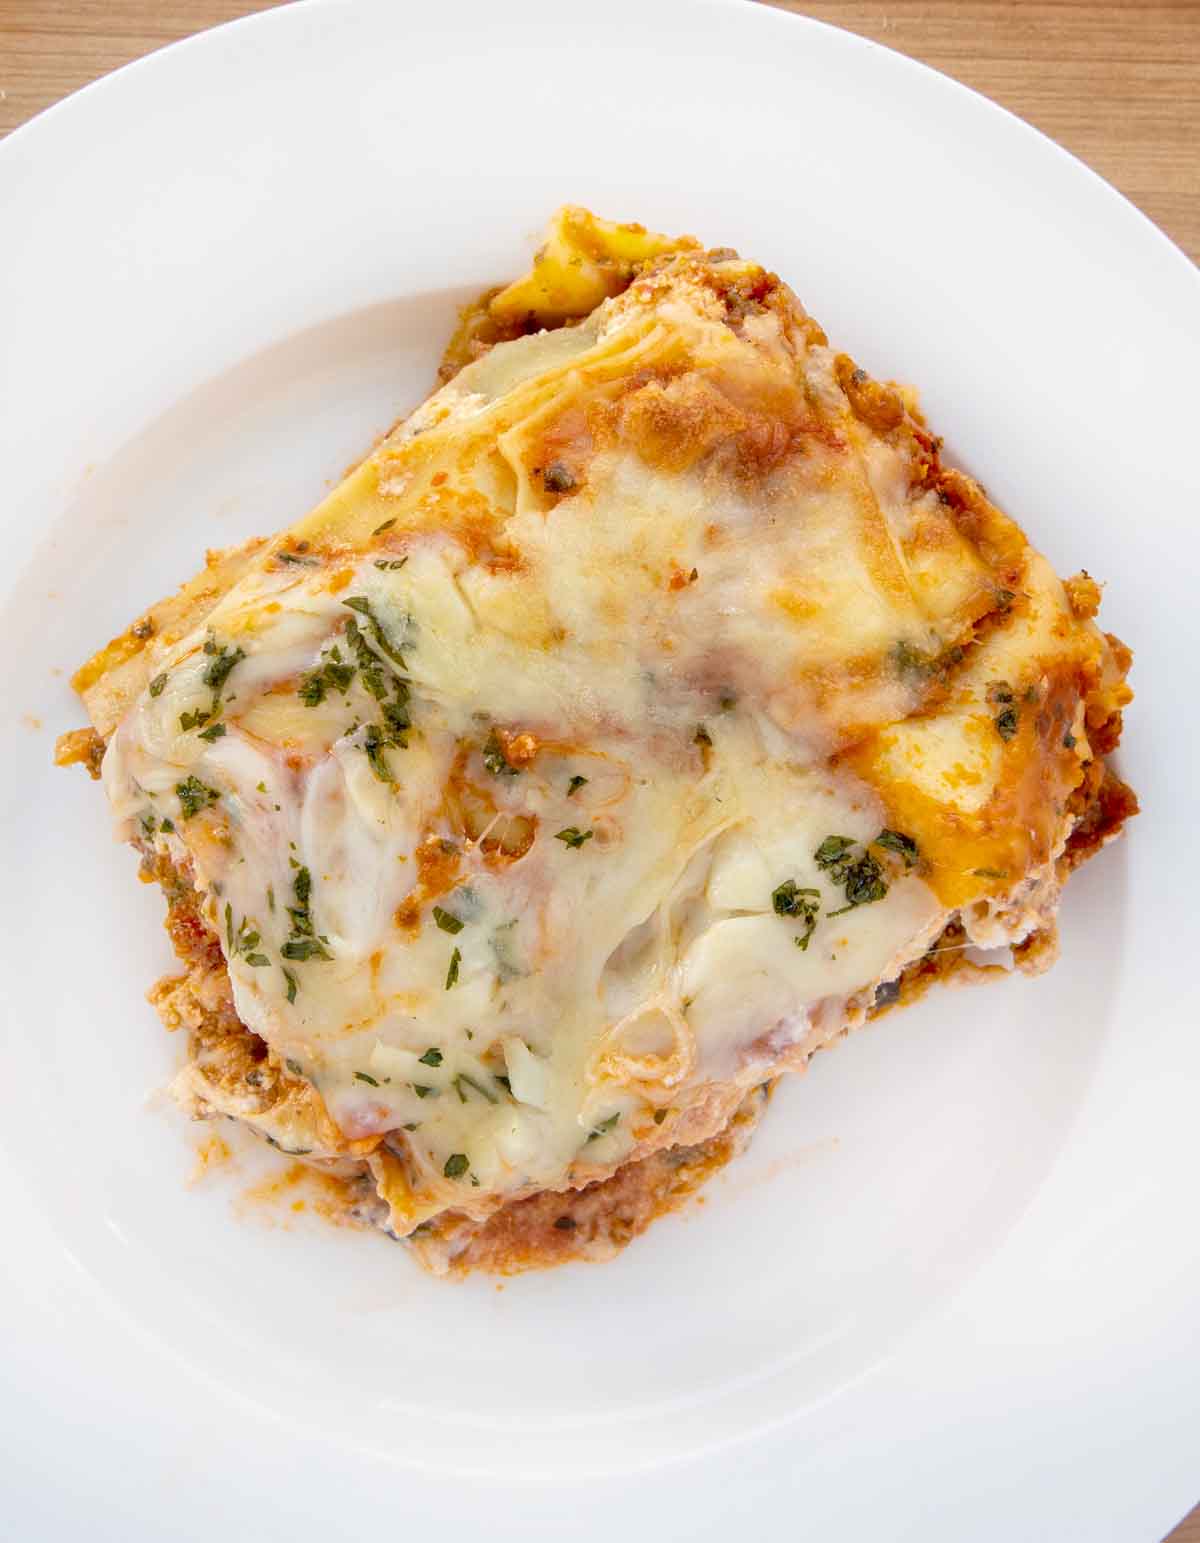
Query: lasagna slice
{"type": "Point", "coordinates": [651, 707]}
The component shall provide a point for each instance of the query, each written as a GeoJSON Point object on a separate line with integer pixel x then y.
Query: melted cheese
{"type": "Point", "coordinates": [491, 770]}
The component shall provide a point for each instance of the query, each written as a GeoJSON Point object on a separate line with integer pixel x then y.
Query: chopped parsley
{"type": "Point", "coordinates": [305, 948]}
{"type": "Point", "coordinates": [221, 664]}
{"type": "Point", "coordinates": [604, 1127]}
{"type": "Point", "coordinates": [291, 985]}
{"type": "Point", "coordinates": [456, 1165]}
{"type": "Point", "coordinates": [332, 674]}
{"type": "Point", "coordinates": [366, 1077]}
{"type": "Point", "coordinates": [447, 921]}
{"type": "Point", "coordinates": [244, 941]}
{"type": "Point", "coordinates": [904, 846]}
{"type": "Point", "coordinates": [831, 854]}
{"type": "Point", "coordinates": [214, 731]}
{"type": "Point", "coordinates": [294, 1067]}
{"type": "Point", "coordinates": [305, 942]}
{"type": "Point", "coordinates": [157, 684]}
{"type": "Point", "coordinates": [910, 662]}
{"type": "Point", "coordinates": [379, 529]}
{"type": "Point", "coordinates": [1007, 722]}
{"type": "Point", "coordinates": [575, 784]}
{"type": "Point", "coordinates": [432, 1057]}
{"type": "Point", "coordinates": [363, 606]}
{"type": "Point", "coordinates": [194, 795]}
{"type": "Point", "coordinates": [477, 1086]}
{"type": "Point", "coordinates": [168, 826]}
{"type": "Point", "coordinates": [915, 665]}
{"type": "Point", "coordinates": [803, 904]}
{"type": "Point", "coordinates": [864, 884]}
{"type": "Point", "coordinates": [452, 972]}
{"type": "Point", "coordinates": [495, 760]}
{"type": "Point", "coordinates": [375, 743]}
{"type": "Point", "coordinates": [861, 877]}
{"type": "Point", "coordinates": [1068, 740]}
{"type": "Point", "coordinates": [421, 1089]}
{"type": "Point", "coordinates": [572, 836]}
{"type": "Point", "coordinates": [390, 567]}
{"type": "Point", "coordinates": [312, 689]}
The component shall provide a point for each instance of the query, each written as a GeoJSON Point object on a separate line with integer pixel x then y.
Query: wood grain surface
{"type": "Point", "coordinates": [1117, 84]}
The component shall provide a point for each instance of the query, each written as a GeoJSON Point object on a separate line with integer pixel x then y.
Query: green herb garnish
{"type": "Point", "coordinates": [910, 661]}
{"type": "Point", "coordinates": [896, 841]}
{"type": "Point", "coordinates": [831, 854]}
{"type": "Point", "coordinates": [575, 784]}
{"type": "Point", "coordinates": [452, 972]}
{"type": "Point", "coordinates": [604, 1127]}
{"type": "Point", "coordinates": [365, 1077]}
{"type": "Point", "coordinates": [572, 836]}
{"type": "Point", "coordinates": [305, 948]}
{"type": "Point", "coordinates": [456, 1165]}
{"type": "Point", "coordinates": [447, 921]}
{"type": "Point", "coordinates": [1007, 723]}
{"type": "Point", "coordinates": [291, 985]}
{"type": "Point", "coordinates": [194, 795]}
{"type": "Point", "coordinates": [363, 606]}
{"type": "Point", "coordinates": [477, 1086]}
{"type": "Point", "coordinates": [157, 684]}
{"type": "Point", "coordinates": [495, 760]}
{"type": "Point", "coordinates": [375, 743]}
{"type": "Point", "coordinates": [223, 662]}
{"type": "Point", "coordinates": [860, 877]}
{"type": "Point", "coordinates": [864, 884]}
{"type": "Point", "coordinates": [214, 731]}
{"type": "Point", "coordinates": [432, 1057]}
{"type": "Point", "coordinates": [802, 904]}
{"type": "Point", "coordinates": [304, 942]}
{"type": "Point", "coordinates": [312, 689]}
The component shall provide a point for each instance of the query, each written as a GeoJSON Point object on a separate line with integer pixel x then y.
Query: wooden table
{"type": "Point", "coordinates": [1119, 84]}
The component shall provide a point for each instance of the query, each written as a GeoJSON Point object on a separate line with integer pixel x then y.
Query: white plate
{"type": "Point", "coordinates": [949, 1294]}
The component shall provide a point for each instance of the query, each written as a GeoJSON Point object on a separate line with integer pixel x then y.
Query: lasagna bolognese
{"type": "Point", "coordinates": [650, 707]}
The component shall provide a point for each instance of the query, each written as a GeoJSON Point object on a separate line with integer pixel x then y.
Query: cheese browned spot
{"type": "Point", "coordinates": [631, 723]}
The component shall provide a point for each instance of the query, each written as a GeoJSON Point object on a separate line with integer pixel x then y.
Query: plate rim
{"type": "Point", "coordinates": [59, 112]}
